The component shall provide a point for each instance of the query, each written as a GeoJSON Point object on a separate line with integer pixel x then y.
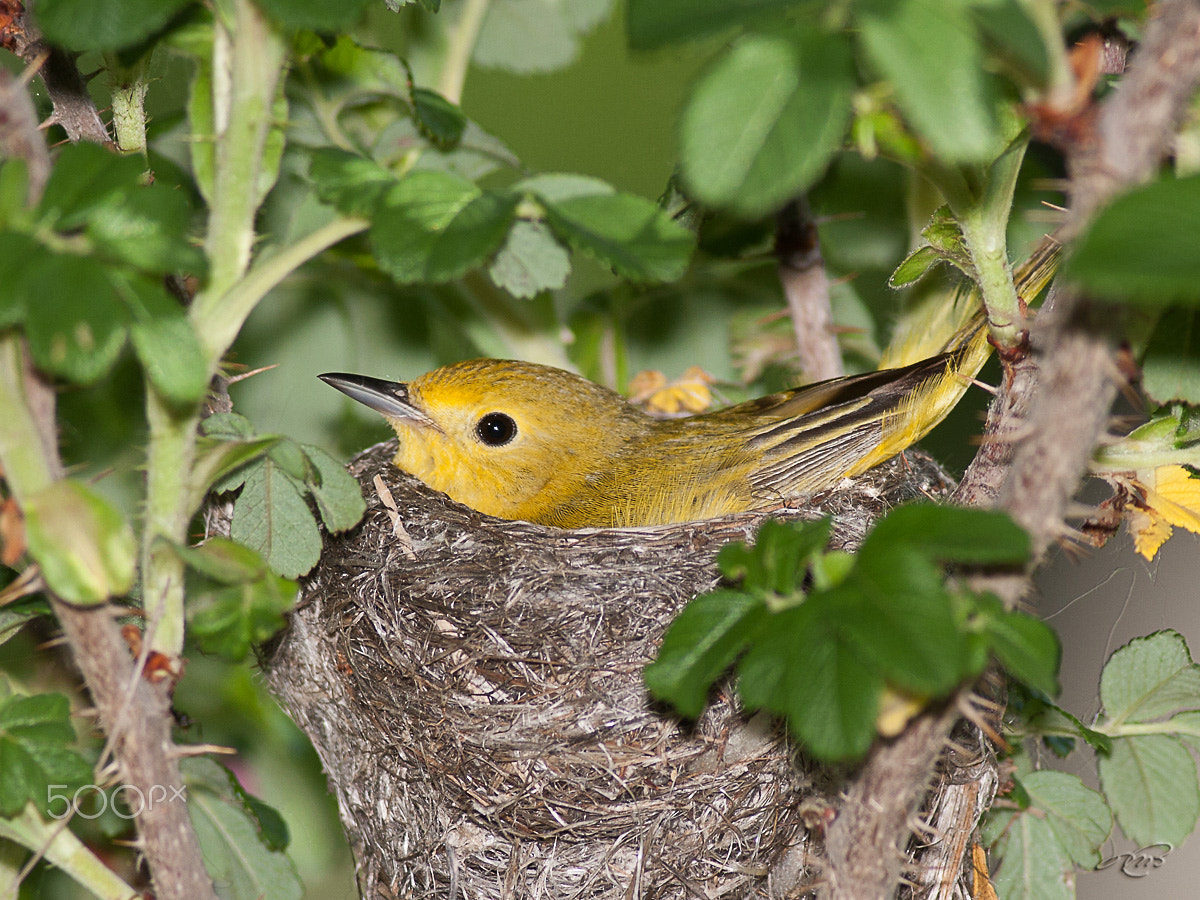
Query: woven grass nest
{"type": "Point", "coordinates": [474, 689]}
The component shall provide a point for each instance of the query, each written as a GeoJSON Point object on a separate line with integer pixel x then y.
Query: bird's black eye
{"type": "Point", "coordinates": [496, 429]}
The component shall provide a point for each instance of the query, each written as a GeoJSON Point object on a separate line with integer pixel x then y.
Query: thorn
{"type": "Point", "coordinates": [236, 378]}
{"type": "Point", "coordinates": [182, 751]}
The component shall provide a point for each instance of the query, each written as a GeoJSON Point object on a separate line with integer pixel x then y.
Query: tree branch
{"type": "Point", "coordinates": [806, 287]}
{"type": "Point", "coordinates": [1045, 422]}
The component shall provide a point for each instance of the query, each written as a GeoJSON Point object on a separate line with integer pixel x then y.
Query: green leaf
{"type": "Point", "coordinates": [352, 183]}
{"type": "Point", "coordinates": [103, 24]}
{"type": "Point", "coordinates": [236, 847]}
{"type": "Point", "coordinates": [203, 125]}
{"type": "Point", "coordinates": [914, 266]}
{"type": "Point", "coordinates": [633, 236]}
{"type": "Point", "coordinates": [144, 225]}
{"type": "Point", "coordinates": [653, 23]}
{"type": "Point", "coordinates": [227, 621]}
{"type": "Point", "coordinates": [1150, 678]}
{"type": "Point", "coordinates": [776, 564]}
{"type": "Point", "coordinates": [951, 534]}
{"type": "Point", "coordinates": [1140, 248]}
{"type": "Point", "coordinates": [439, 120]}
{"type": "Point", "coordinates": [1078, 815]}
{"type": "Point", "coordinates": [79, 331]}
{"type": "Point", "coordinates": [1150, 783]}
{"type": "Point", "coordinates": [535, 35]}
{"type": "Point", "coordinates": [1171, 365]}
{"type": "Point", "coordinates": [229, 426]}
{"type": "Point", "coordinates": [1011, 34]}
{"type": "Point", "coordinates": [433, 226]}
{"type": "Point", "coordinates": [166, 344]}
{"type": "Point", "coordinates": [929, 52]}
{"type": "Point", "coordinates": [337, 494]}
{"type": "Point", "coordinates": [18, 253]}
{"type": "Point", "coordinates": [85, 548]}
{"type": "Point", "coordinates": [763, 123]}
{"type": "Point", "coordinates": [555, 187]}
{"type": "Point", "coordinates": [224, 560]}
{"type": "Point", "coordinates": [216, 459]}
{"type": "Point", "coordinates": [271, 516]}
{"type": "Point", "coordinates": [1027, 648]}
{"type": "Point", "coordinates": [287, 454]}
{"type": "Point", "coordinates": [702, 642]}
{"type": "Point", "coordinates": [803, 670]}
{"type": "Point", "coordinates": [530, 261]}
{"type": "Point", "coordinates": [84, 178]}
{"type": "Point", "coordinates": [37, 762]}
{"type": "Point", "coordinates": [1034, 865]}
{"type": "Point", "coordinates": [316, 15]}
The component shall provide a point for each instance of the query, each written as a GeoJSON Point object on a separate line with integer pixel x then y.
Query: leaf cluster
{"type": "Point", "coordinates": [819, 637]}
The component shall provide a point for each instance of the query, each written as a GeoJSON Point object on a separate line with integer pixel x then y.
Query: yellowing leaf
{"type": "Point", "coordinates": [1173, 502]}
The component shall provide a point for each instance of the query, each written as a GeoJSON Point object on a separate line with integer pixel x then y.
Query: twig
{"type": "Point", "coordinates": [806, 287]}
{"type": "Point", "coordinates": [135, 714]}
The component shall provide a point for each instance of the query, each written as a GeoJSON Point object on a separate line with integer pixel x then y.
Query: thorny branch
{"type": "Point", "coordinates": [135, 714]}
{"type": "Point", "coordinates": [1043, 425]}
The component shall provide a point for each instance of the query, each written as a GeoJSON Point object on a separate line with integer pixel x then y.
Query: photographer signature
{"type": "Point", "coordinates": [1137, 863]}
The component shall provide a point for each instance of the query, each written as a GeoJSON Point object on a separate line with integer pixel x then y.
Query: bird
{"type": "Point", "coordinates": [523, 441]}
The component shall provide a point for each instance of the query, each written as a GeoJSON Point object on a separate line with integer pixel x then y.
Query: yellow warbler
{"type": "Point", "coordinates": [524, 441]}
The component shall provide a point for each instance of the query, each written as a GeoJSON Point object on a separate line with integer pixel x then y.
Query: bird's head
{"type": "Point", "coordinates": [511, 439]}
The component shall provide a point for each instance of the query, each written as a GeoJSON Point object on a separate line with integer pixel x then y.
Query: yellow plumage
{"type": "Point", "coordinates": [523, 441]}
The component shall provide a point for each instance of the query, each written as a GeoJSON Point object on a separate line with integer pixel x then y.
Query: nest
{"type": "Point", "coordinates": [474, 689]}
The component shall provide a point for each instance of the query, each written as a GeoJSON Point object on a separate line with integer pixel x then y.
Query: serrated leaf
{"type": "Point", "coordinates": [439, 120]}
{"type": "Point", "coordinates": [914, 266]}
{"type": "Point", "coordinates": [1139, 249]}
{"type": "Point", "coordinates": [763, 123]}
{"type": "Point", "coordinates": [352, 183]}
{"type": "Point", "coordinates": [287, 454]}
{"type": "Point", "coordinates": [103, 24]}
{"type": "Point", "coordinates": [271, 516]}
{"type": "Point", "coordinates": [802, 670]}
{"type": "Point", "coordinates": [337, 494]}
{"type": "Point", "coordinates": [1171, 364]}
{"type": "Point", "coordinates": [84, 546]}
{"type": "Point", "coordinates": [1150, 783]}
{"type": "Point", "coordinates": [241, 864]}
{"type": "Point", "coordinates": [701, 643]}
{"type": "Point", "coordinates": [216, 459]}
{"type": "Point", "coordinates": [1149, 678]}
{"type": "Point", "coordinates": [895, 612]}
{"type": "Point", "coordinates": [1034, 866]}
{"type": "Point", "coordinates": [1078, 815]}
{"type": "Point", "coordinates": [436, 227]}
{"type": "Point", "coordinates": [530, 261]}
{"type": "Point", "coordinates": [228, 426]}
{"type": "Point", "coordinates": [36, 753]}
{"type": "Point", "coordinates": [930, 54]}
{"type": "Point", "coordinates": [633, 236]}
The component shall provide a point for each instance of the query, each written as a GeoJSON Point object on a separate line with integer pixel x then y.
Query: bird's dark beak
{"type": "Point", "coordinates": [387, 397]}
